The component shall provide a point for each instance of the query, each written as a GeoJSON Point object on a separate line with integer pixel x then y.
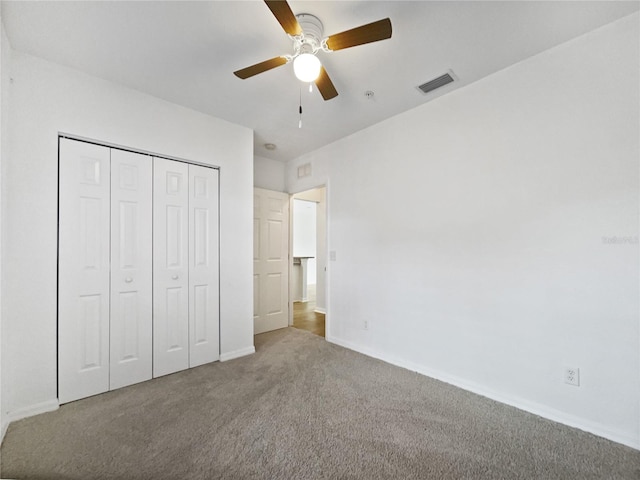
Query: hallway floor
{"type": "Point", "coordinates": [304, 316]}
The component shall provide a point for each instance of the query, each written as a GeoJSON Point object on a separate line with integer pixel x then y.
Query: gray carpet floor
{"type": "Point", "coordinates": [302, 408]}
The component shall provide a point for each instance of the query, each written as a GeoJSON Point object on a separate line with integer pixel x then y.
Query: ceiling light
{"type": "Point", "coordinates": [270, 146]}
{"type": "Point", "coordinates": [306, 66]}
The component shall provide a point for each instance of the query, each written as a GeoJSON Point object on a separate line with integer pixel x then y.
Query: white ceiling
{"type": "Point", "coordinates": [186, 52]}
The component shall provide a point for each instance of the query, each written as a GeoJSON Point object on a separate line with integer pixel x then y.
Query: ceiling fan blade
{"type": "Point", "coordinates": [372, 32]}
{"type": "Point", "coordinates": [284, 15]}
{"type": "Point", "coordinates": [260, 67]}
{"type": "Point", "coordinates": [325, 85]}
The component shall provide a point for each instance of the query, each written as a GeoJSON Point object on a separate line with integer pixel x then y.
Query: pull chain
{"type": "Point", "coordinates": [300, 110]}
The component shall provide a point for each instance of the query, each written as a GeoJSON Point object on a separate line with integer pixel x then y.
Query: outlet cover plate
{"type": "Point", "coordinates": [572, 376]}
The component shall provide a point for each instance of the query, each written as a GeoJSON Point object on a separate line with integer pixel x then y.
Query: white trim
{"type": "Point", "coordinates": [514, 401]}
{"type": "Point", "coordinates": [320, 310]}
{"type": "Point", "coordinates": [80, 138]}
{"type": "Point", "coordinates": [30, 411]}
{"type": "Point", "coordinates": [237, 353]}
{"type": "Point", "coordinates": [290, 299]}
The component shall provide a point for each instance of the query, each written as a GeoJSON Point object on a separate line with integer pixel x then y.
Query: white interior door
{"type": "Point", "coordinates": [270, 266]}
{"type": "Point", "coordinates": [83, 270]}
{"type": "Point", "coordinates": [131, 264]}
{"type": "Point", "coordinates": [204, 292]}
{"type": "Point", "coordinates": [170, 267]}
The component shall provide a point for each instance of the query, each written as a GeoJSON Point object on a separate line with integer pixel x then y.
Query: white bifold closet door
{"type": "Point", "coordinates": [131, 264]}
{"type": "Point", "coordinates": [185, 266]}
{"type": "Point", "coordinates": [138, 268]}
{"type": "Point", "coordinates": [204, 277]}
{"type": "Point", "coordinates": [83, 271]}
{"type": "Point", "coordinates": [170, 266]}
{"type": "Point", "coordinates": [104, 279]}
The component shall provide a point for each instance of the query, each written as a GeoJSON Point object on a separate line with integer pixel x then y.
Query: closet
{"type": "Point", "coordinates": [138, 268]}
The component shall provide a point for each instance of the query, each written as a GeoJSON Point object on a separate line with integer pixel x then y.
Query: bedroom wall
{"type": "Point", "coordinates": [490, 237]}
{"type": "Point", "coordinates": [4, 86]}
{"type": "Point", "coordinates": [47, 99]}
{"type": "Point", "coordinates": [268, 174]}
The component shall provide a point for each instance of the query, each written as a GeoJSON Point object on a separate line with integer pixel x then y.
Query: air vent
{"type": "Point", "coordinates": [441, 81]}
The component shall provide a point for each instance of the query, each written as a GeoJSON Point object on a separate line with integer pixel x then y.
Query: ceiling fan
{"type": "Point", "coordinates": [306, 32]}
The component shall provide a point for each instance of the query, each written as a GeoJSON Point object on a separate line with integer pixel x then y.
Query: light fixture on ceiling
{"type": "Point", "coordinates": [270, 146]}
{"type": "Point", "coordinates": [307, 67]}
{"type": "Point", "coordinates": [307, 34]}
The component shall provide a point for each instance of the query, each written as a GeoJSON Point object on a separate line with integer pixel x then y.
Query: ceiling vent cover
{"type": "Point", "coordinates": [441, 81]}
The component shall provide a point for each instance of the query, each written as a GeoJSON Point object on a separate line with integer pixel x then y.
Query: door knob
{"type": "Point", "coordinates": [175, 277]}
{"type": "Point", "coordinates": [128, 279]}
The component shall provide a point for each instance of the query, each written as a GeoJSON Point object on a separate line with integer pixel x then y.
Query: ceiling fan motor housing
{"type": "Point", "coordinates": [312, 33]}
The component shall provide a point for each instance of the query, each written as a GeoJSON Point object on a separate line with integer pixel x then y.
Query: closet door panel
{"type": "Point", "coordinates": [131, 268]}
{"type": "Point", "coordinates": [83, 270]}
{"type": "Point", "coordinates": [170, 267]}
{"type": "Point", "coordinates": [204, 291]}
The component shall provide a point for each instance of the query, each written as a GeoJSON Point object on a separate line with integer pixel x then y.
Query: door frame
{"type": "Point", "coordinates": [327, 277]}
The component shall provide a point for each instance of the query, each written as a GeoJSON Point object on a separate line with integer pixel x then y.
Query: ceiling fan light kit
{"type": "Point", "coordinates": [306, 32]}
{"type": "Point", "coordinates": [307, 67]}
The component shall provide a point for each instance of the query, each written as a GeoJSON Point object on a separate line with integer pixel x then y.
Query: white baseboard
{"type": "Point", "coordinates": [237, 353]}
{"type": "Point", "coordinates": [320, 310]}
{"type": "Point", "coordinates": [30, 411]}
{"type": "Point", "coordinates": [5, 426]}
{"type": "Point", "coordinates": [517, 402]}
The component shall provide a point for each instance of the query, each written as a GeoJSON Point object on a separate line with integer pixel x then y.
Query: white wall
{"type": "Point", "coordinates": [304, 228]}
{"type": "Point", "coordinates": [474, 234]}
{"type": "Point", "coordinates": [4, 91]}
{"type": "Point", "coordinates": [268, 174]}
{"type": "Point", "coordinates": [47, 99]}
{"type": "Point", "coordinates": [304, 244]}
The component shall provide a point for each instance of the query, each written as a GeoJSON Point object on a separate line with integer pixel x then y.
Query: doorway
{"type": "Point", "coordinates": [309, 260]}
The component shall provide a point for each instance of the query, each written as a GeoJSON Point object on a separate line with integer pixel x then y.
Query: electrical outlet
{"type": "Point", "coordinates": [572, 376]}
{"type": "Point", "coordinates": [366, 324]}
